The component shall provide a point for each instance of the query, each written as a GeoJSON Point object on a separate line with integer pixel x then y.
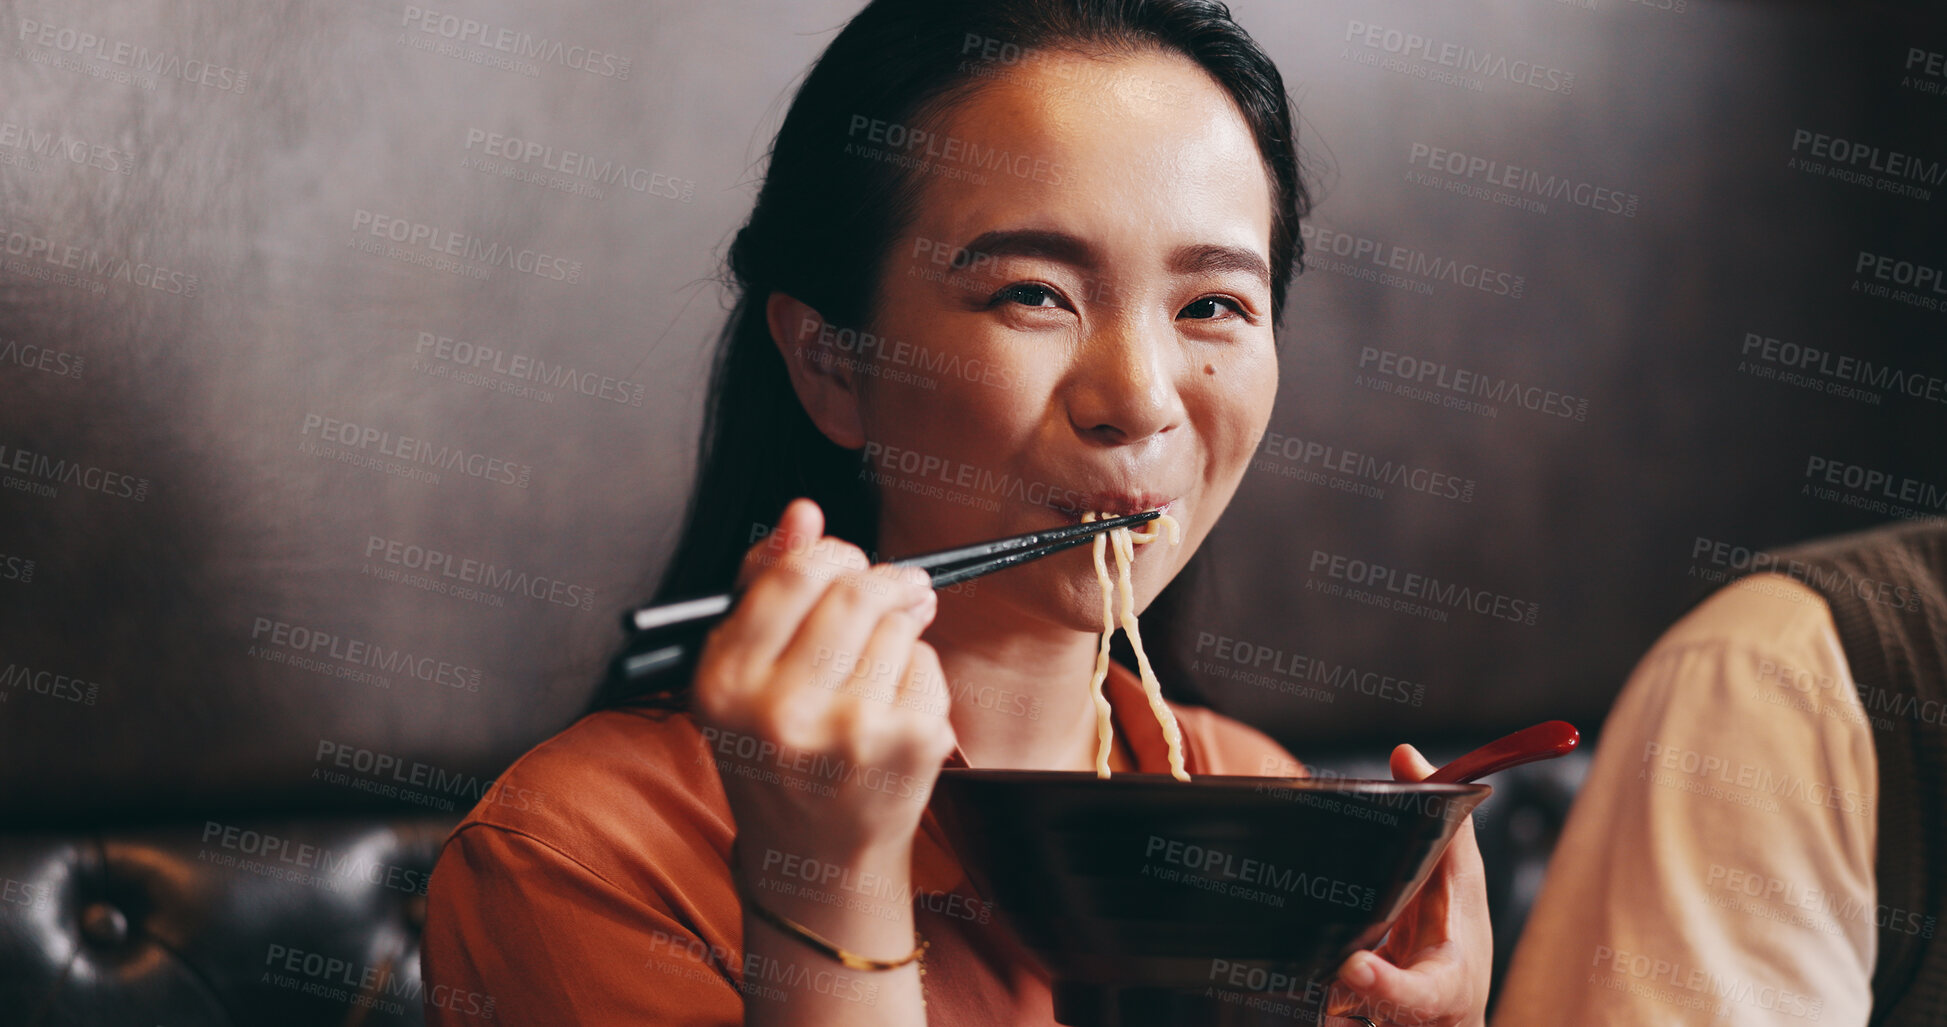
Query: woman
{"type": "Point", "coordinates": [1012, 262]}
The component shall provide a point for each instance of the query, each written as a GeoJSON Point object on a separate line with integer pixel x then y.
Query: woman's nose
{"type": "Point", "coordinates": [1123, 388]}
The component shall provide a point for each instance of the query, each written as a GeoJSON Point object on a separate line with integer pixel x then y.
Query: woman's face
{"type": "Point", "coordinates": [1085, 284]}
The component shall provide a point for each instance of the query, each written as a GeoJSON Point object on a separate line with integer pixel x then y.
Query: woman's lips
{"type": "Point", "coordinates": [1110, 504]}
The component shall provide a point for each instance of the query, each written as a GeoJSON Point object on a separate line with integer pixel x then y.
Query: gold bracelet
{"type": "Point", "coordinates": [852, 961]}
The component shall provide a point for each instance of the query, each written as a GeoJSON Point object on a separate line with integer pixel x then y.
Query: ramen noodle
{"type": "Point", "coordinates": [1125, 541]}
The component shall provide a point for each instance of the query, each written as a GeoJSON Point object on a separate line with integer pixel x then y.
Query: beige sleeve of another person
{"type": "Point", "coordinates": [1717, 866]}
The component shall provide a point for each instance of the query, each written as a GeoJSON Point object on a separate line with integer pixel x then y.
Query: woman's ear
{"type": "Point", "coordinates": [825, 379]}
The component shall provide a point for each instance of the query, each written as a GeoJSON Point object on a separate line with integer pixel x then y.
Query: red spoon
{"type": "Point", "coordinates": [1541, 742]}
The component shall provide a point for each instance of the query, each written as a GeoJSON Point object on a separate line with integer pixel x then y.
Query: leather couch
{"type": "Point", "coordinates": [306, 920]}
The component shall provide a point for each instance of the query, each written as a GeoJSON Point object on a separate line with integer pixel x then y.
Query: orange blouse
{"type": "Point", "coordinates": [591, 884]}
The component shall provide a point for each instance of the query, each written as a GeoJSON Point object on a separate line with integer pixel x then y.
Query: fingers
{"type": "Point", "coordinates": [1441, 940]}
{"type": "Point", "coordinates": [840, 625]}
{"type": "Point", "coordinates": [852, 652]}
{"type": "Point", "coordinates": [1409, 765]}
{"type": "Point", "coordinates": [925, 692]}
{"type": "Point", "coordinates": [799, 527]}
{"type": "Point", "coordinates": [1463, 854]}
{"type": "Point", "coordinates": [786, 574]}
{"type": "Point", "coordinates": [812, 615]}
{"type": "Point", "coordinates": [1434, 989]}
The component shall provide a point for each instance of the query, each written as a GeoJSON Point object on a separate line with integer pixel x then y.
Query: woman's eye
{"type": "Point", "coordinates": [1027, 294]}
{"type": "Point", "coordinates": [1206, 308]}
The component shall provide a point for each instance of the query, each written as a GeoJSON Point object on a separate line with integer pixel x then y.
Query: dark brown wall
{"type": "Point", "coordinates": [255, 183]}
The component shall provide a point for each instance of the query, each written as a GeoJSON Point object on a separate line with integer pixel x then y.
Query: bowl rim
{"type": "Point", "coordinates": [1232, 782]}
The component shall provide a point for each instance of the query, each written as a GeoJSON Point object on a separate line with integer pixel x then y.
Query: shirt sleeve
{"type": "Point", "coordinates": [1717, 867]}
{"type": "Point", "coordinates": [517, 934]}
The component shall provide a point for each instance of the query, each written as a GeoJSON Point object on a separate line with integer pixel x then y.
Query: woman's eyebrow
{"type": "Point", "coordinates": [1210, 258]}
{"type": "Point", "coordinates": [1196, 259]}
{"type": "Point", "coordinates": [1032, 242]}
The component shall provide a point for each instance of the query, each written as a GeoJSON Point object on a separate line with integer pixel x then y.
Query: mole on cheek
{"type": "Point", "coordinates": [1209, 369]}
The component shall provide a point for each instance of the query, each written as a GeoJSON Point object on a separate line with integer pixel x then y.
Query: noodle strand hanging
{"type": "Point", "coordinates": [1124, 541]}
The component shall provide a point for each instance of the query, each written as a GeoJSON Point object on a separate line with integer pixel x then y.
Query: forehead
{"type": "Point", "coordinates": [1128, 149]}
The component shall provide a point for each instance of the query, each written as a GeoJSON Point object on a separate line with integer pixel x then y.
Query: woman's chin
{"type": "Point", "coordinates": [1074, 602]}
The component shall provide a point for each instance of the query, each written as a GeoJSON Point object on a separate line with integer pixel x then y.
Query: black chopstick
{"type": "Point", "coordinates": [947, 567]}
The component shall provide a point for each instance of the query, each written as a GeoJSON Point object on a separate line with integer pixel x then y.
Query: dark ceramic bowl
{"type": "Point", "coordinates": [1154, 901]}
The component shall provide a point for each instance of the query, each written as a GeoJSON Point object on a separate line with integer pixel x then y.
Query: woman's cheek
{"type": "Point", "coordinates": [1238, 402]}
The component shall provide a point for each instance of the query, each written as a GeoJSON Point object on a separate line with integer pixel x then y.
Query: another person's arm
{"type": "Point", "coordinates": [1717, 866]}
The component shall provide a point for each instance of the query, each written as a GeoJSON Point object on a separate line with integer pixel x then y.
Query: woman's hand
{"type": "Point", "coordinates": [825, 713]}
{"type": "Point", "coordinates": [1435, 966]}
{"type": "Point", "coordinates": [826, 717]}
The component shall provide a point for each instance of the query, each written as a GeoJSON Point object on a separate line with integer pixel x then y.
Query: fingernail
{"type": "Point", "coordinates": [1358, 972]}
{"type": "Point", "coordinates": [926, 600]}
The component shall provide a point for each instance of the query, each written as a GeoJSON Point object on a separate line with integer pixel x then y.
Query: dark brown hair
{"type": "Point", "coordinates": [825, 217]}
